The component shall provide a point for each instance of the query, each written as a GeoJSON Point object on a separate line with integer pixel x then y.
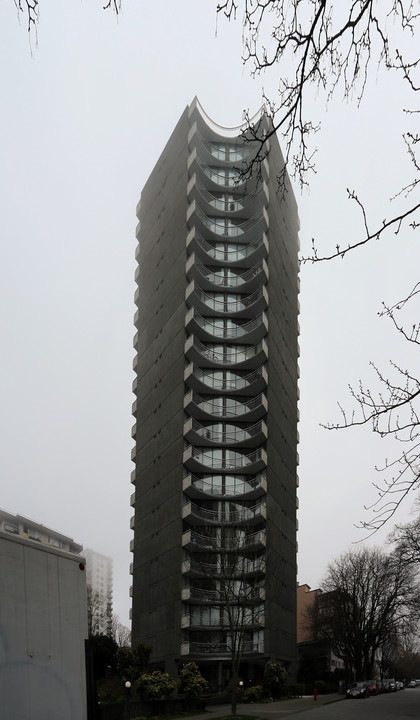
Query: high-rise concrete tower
{"type": "Point", "coordinates": [216, 405]}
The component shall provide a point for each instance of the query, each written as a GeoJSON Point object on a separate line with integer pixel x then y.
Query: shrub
{"type": "Point", "coordinates": [191, 682]}
{"type": "Point", "coordinates": [155, 685]}
{"type": "Point", "coordinates": [253, 694]}
{"type": "Point", "coordinates": [275, 676]}
{"type": "Point", "coordinates": [111, 691]}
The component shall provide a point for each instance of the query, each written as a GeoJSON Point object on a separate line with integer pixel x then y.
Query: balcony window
{"type": "Point", "coordinates": [226, 379]}
{"type": "Point", "coordinates": [225, 202]}
{"type": "Point", "coordinates": [226, 432]}
{"type": "Point", "coordinates": [222, 406]}
{"type": "Point", "coordinates": [224, 226]}
{"type": "Point", "coordinates": [223, 457]}
{"type": "Point", "coordinates": [227, 151]}
{"type": "Point", "coordinates": [226, 484]}
{"type": "Point", "coordinates": [203, 615]}
{"type": "Point", "coordinates": [222, 301]}
{"type": "Point", "coordinates": [226, 177]}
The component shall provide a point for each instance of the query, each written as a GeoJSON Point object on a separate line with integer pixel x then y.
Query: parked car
{"type": "Point", "coordinates": [372, 687]}
{"type": "Point", "coordinates": [412, 683]}
{"type": "Point", "coordinates": [389, 685]}
{"type": "Point", "coordinates": [357, 690]}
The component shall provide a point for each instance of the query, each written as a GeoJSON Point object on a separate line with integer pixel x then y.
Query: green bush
{"type": "Point", "coordinates": [191, 682]}
{"type": "Point", "coordinates": [155, 685]}
{"type": "Point", "coordinates": [253, 694]}
{"type": "Point", "coordinates": [111, 691]}
{"type": "Point", "coordinates": [275, 676]}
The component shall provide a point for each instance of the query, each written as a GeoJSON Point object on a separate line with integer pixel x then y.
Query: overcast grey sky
{"type": "Point", "coordinates": [83, 120]}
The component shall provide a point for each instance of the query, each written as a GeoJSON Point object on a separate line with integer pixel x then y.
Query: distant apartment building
{"type": "Point", "coordinates": [99, 583]}
{"type": "Point", "coordinates": [26, 528]}
{"type": "Point", "coordinates": [313, 652]}
{"type": "Point", "coordinates": [305, 605]}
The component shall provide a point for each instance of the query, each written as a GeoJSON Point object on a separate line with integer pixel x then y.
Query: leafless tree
{"type": "Point", "coordinates": [31, 8]}
{"type": "Point", "coordinates": [392, 411]}
{"type": "Point", "coordinates": [95, 610]}
{"type": "Point", "coordinates": [330, 47]}
{"type": "Point", "coordinates": [368, 597]}
{"type": "Point", "coordinates": [120, 632]}
{"type": "Point", "coordinates": [407, 542]}
{"type": "Point", "coordinates": [231, 572]}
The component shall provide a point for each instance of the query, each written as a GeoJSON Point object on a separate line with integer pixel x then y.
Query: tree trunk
{"type": "Point", "coordinates": [234, 688]}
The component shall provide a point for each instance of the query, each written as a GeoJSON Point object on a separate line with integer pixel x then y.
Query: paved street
{"type": "Point", "coordinates": [393, 706]}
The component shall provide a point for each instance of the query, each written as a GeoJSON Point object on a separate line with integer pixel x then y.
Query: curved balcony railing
{"type": "Point", "coordinates": [250, 594]}
{"type": "Point", "coordinates": [209, 542]}
{"type": "Point", "coordinates": [226, 407]}
{"type": "Point", "coordinates": [227, 434]}
{"type": "Point", "coordinates": [232, 254]}
{"type": "Point", "coordinates": [233, 228]}
{"type": "Point", "coordinates": [244, 566]}
{"type": "Point", "coordinates": [227, 485]}
{"type": "Point", "coordinates": [235, 461]}
{"type": "Point", "coordinates": [229, 152]}
{"type": "Point", "coordinates": [226, 331]}
{"type": "Point", "coordinates": [230, 355]}
{"type": "Point", "coordinates": [213, 621]}
{"type": "Point", "coordinates": [228, 515]}
{"type": "Point", "coordinates": [226, 204]}
{"type": "Point", "coordinates": [230, 305]}
{"type": "Point", "coordinates": [233, 280]}
{"type": "Point", "coordinates": [231, 383]}
{"type": "Point", "coordinates": [197, 648]}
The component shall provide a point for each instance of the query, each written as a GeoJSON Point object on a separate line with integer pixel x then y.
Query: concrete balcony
{"type": "Point", "coordinates": [210, 407]}
{"type": "Point", "coordinates": [224, 486]}
{"type": "Point", "coordinates": [207, 380]}
{"type": "Point", "coordinates": [225, 434]}
{"type": "Point", "coordinates": [201, 542]}
{"type": "Point", "coordinates": [248, 357]}
{"type": "Point", "coordinates": [222, 650]}
{"type": "Point", "coordinates": [223, 254]}
{"type": "Point", "coordinates": [243, 204]}
{"type": "Point", "coordinates": [238, 307]}
{"type": "Point", "coordinates": [204, 459]}
{"type": "Point", "coordinates": [216, 174]}
{"type": "Point", "coordinates": [226, 329]}
{"type": "Point", "coordinates": [215, 226]}
{"type": "Point", "coordinates": [196, 515]}
{"type": "Point", "coordinates": [242, 568]}
{"type": "Point", "coordinates": [227, 278]}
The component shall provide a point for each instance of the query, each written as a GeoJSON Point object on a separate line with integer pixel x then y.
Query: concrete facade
{"type": "Point", "coordinates": [43, 627]}
{"type": "Point", "coordinates": [216, 405]}
{"type": "Point", "coordinates": [32, 530]}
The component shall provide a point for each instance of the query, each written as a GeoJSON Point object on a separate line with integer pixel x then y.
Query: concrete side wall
{"type": "Point", "coordinates": [43, 625]}
{"type": "Point", "coordinates": [282, 313]}
{"type": "Point", "coordinates": [160, 391]}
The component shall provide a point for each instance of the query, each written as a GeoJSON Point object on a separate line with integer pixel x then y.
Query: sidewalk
{"type": "Point", "coordinates": [270, 711]}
